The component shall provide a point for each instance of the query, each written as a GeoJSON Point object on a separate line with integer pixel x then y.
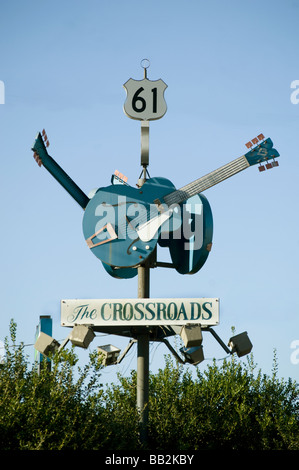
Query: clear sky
{"type": "Point", "coordinates": [229, 68]}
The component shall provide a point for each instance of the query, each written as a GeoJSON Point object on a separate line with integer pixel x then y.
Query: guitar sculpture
{"type": "Point", "coordinates": [122, 225]}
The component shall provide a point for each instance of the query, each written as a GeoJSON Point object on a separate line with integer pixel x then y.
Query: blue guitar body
{"type": "Point", "coordinates": [189, 251]}
{"type": "Point", "coordinates": [122, 225]}
{"type": "Point", "coordinates": [119, 247]}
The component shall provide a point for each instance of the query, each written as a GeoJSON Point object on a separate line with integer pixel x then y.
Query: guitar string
{"type": "Point", "coordinates": [207, 181]}
{"type": "Point", "coordinates": [212, 178]}
{"type": "Point", "coordinates": [195, 187]}
{"type": "Point", "coordinates": [189, 190]}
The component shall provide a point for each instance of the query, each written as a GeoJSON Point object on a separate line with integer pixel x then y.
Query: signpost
{"type": "Point", "coordinates": [144, 108]}
{"type": "Point", "coordinates": [126, 244]}
{"type": "Point", "coordinates": [44, 326]}
{"type": "Point", "coordinates": [145, 98]}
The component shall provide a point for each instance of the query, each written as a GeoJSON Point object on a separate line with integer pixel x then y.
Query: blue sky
{"type": "Point", "coordinates": [228, 67]}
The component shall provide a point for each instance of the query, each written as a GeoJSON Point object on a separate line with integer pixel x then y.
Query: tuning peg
{"type": "Point", "coordinates": [123, 177]}
{"type": "Point", "coordinates": [120, 176]}
{"type": "Point", "coordinates": [37, 159]}
{"type": "Point", "coordinates": [269, 165]}
{"type": "Point", "coordinates": [254, 141]}
{"type": "Point", "coordinates": [275, 163]}
{"type": "Point", "coordinates": [261, 168]}
{"type": "Point", "coordinates": [45, 137]}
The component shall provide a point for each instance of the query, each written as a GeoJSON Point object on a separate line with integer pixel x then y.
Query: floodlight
{"type": "Point", "coordinates": [240, 344]}
{"type": "Point", "coordinates": [191, 335]}
{"type": "Point", "coordinates": [110, 353]}
{"type": "Point", "coordinates": [193, 355]}
{"type": "Point", "coordinates": [45, 344]}
{"type": "Point", "coordinates": [81, 335]}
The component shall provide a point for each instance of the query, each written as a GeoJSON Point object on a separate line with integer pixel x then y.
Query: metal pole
{"type": "Point", "coordinates": [143, 335]}
{"type": "Point", "coordinates": [143, 357]}
{"type": "Point", "coordinates": [143, 384]}
{"type": "Point", "coordinates": [45, 326]}
{"type": "Point", "coordinates": [228, 351]}
{"type": "Point", "coordinates": [143, 339]}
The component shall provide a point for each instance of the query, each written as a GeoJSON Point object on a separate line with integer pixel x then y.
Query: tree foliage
{"type": "Point", "coordinates": [226, 407]}
{"type": "Point", "coordinates": [231, 406]}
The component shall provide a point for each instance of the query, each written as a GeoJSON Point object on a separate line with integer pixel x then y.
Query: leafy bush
{"type": "Point", "coordinates": [231, 406]}
{"type": "Point", "coordinates": [226, 407]}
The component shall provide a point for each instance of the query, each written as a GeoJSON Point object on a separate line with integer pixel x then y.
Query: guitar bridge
{"type": "Point", "coordinates": [159, 205]}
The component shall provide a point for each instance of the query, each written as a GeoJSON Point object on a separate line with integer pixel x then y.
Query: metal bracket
{"type": "Point", "coordinates": [219, 340]}
{"type": "Point", "coordinates": [144, 143]}
{"type": "Point", "coordinates": [162, 264]}
{"type": "Point", "coordinates": [120, 358]}
{"type": "Point", "coordinates": [163, 340]}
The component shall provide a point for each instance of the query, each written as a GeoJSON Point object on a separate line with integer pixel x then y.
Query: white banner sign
{"type": "Point", "coordinates": [134, 312]}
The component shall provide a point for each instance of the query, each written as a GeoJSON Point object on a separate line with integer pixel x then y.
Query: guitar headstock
{"type": "Point", "coordinates": [40, 147]}
{"type": "Point", "coordinates": [261, 150]}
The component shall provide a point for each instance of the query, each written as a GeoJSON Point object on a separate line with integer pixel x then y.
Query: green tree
{"type": "Point", "coordinates": [49, 410]}
{"type": "Point", "coordinates": [227, 406]}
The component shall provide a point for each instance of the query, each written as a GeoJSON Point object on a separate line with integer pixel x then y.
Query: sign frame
{"type": "Point", "coordinates": [145, 99]}
{"type": "Point", "coordinates": [140, 312]}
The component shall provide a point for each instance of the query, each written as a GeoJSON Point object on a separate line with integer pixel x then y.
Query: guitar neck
{"type": "Point", "coordinates": [63, 178]}
{"type": "Point", "coordinates": [207, 181]}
